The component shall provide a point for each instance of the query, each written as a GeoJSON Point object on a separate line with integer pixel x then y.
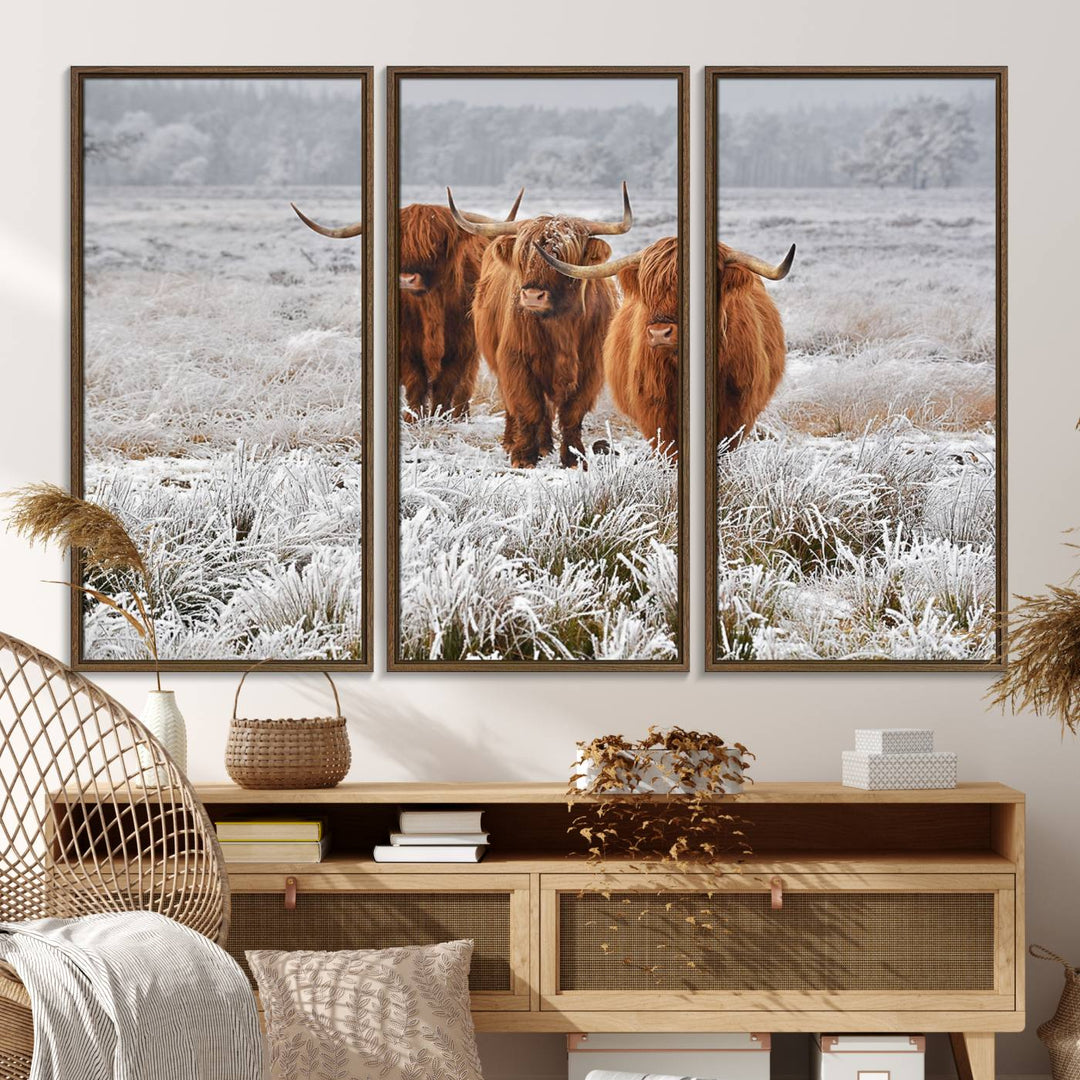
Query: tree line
{"type": "Point", "coordinates": [223, 132]}
{"type": "Point", "coordinates": [541, 147]}
{"type": "Point", "coordinates": [923, 142]}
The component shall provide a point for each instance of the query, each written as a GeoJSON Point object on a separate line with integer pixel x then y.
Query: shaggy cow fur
{"type": "Point", "coordinates": [644, 377]}
{"type": "Point", "coordinates": [439, 267]}
{"type": "Point", "coordinates": [750, 348]}
{"type": "Point", "coordinates": [547, 361]}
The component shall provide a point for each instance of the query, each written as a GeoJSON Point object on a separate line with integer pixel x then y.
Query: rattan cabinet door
{"type": "Point", "coordinates": [853, 942]}
{"type": "Point", "coordinates": [337, 910]}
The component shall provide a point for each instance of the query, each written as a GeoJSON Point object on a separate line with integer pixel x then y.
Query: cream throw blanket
{"type": "Point", "coordinates": [133, 996]}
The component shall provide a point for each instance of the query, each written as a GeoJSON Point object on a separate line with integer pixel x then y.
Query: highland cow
{"type": "Point", "coordinates": [542, 334]}
{"type": "Point", "coordinates": [641, 350]}
{"type": "Point", "coordinates": [438, 267]}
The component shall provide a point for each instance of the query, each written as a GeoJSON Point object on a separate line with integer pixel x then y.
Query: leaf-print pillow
{"type": "Point", "coordinates": [350, 1014]}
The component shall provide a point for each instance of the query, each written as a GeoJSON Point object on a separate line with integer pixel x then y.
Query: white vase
{"type": "Point", "coordinates": [164, 721]}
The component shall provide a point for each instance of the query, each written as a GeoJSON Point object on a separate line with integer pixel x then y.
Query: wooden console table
{"type": "Point", "coordinates": [898, 911]}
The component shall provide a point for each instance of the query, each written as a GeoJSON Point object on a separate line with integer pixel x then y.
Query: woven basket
{"type": "Point", "coordinates": [1061, 1033]}
{"type": "Point", "coordinates": [275, 754]}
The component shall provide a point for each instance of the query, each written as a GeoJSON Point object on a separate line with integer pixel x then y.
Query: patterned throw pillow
{"type": "Point", "coordinates": [394, 1014]}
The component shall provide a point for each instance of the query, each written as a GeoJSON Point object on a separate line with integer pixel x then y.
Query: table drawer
{"type": "Point", "coordinates": [365, 911]}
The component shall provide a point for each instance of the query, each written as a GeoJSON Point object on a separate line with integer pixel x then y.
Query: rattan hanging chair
{"type": "Point", "coordinates": [94, 817]}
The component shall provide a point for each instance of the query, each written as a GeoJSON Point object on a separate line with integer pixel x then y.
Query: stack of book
{"type": "Point", "coordinates": [276, 840]}
{"type": "Point", "coordinates": [427, 836]}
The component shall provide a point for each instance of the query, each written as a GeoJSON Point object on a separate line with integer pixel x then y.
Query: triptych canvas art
{"type": "Point", "coordinates": [539, 365]}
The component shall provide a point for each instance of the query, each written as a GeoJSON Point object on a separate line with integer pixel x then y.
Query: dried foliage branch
{"type": "Point", "coordinates": [664, 802]}
{"type": "Point", "coordinates": [44, 513]}
{"type": "Point", "coordinates": [1044, 670]}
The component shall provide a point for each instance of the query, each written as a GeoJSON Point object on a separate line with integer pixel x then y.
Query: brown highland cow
{"type": "Point", "coordinates": [641, 350]}
{"type": "Point", "coordinates": [542, 334]}
{"type": "Point", "coordinates": [438, 267]}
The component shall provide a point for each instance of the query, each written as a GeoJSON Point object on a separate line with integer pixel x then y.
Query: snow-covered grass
{"type": "Point", "coordinates": [541, 564]}
{"type": "Point", "coordinates": [223, 398]}
{"type": "Point", "coordinates": [859, 520]}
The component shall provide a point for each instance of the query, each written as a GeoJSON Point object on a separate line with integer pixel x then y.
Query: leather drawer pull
{"type": "Point", "coordinates": [290, 894]}
{"type": "Point", "coordinates": [776, 888]}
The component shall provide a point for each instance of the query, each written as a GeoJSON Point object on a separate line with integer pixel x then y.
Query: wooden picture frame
{"type": "Point", "coordinates": [397, 77]}
{"type": "Point", "coordinates": [361, 652]}
{"type": "Point", "coordinates": [994, 637]}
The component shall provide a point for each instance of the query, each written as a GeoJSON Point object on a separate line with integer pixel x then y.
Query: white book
{"type": "Point", "coordinates": [270, 851]}
{"type": "Point", "coordinates": [440, 821]}
{"type": "Point", "coordinates": [401, 839]}
{"type": "Point", "coordinates": [430, 854]}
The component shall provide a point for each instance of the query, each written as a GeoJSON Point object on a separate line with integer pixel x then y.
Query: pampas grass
{"type": "Point", "coordinates": [1044, 674]}
{"type": "Point", "coordinates": [46, 514]}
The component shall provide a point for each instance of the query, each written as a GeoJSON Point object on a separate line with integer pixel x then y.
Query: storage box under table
{"type": "Point", "coordinates": [720, 1056]}
{"type": "Point", "coordinates": [867, 1057]}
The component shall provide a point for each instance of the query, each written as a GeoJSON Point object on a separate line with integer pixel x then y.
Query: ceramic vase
{"type": "Point", "coordinates": [163, 719]}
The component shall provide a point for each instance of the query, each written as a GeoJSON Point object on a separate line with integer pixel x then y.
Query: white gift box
{"type": "Point", "coordinates": [731, 1055]}
{"type": "Point", "coordinates": [898, 772]}
{"type": "Point", "coordinates": [867, 1057]}
{"type": "Point", "coordinates": [895, 740]}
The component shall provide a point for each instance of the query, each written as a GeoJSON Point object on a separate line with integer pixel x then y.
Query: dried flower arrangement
{"type": "Point", "coordinates": [614, 777]}
{"type": "Point", "coordinates": [663, 802]}
{"type": "Point", "coordinates": [47, 513]}
{"type": "Point", "coordinates": [1044, 670]}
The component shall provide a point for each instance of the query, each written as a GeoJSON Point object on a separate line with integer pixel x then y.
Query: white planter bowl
{"type": "Point", "coordinates": [658, 779]}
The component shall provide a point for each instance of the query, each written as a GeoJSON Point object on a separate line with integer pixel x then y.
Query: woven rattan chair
{"type": "Point", "coordinates": [94, 817]}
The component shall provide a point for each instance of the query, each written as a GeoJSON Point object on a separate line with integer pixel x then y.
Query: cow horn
{"type": "Point", "coordinates": [475, 218]}
{"type": "Point", "coordinates": [484, 227]}
{"type": "Point", "coordinates": [342, 233]}
{"type": "Point", "coordinates": [773, 273]}
{"type": "Point", "coordinates": [614, 228]}
{"type": "Point", "coordinates": [587, 273]}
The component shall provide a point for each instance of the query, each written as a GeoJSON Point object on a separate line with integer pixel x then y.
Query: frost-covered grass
{"type": "Point", "coordinates": [859, 521]}
{"type": "Point", "coordinates": [537, 564]}
{"type": "Point", "coordinates": [223, 395]}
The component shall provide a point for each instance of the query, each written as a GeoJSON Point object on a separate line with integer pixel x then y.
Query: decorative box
{"type": "Point", "coordinates": [895, 740]}
{"type": "Point", "coordinates": [732, 1055]}
{"type": "Point", "coordinates": [867, 1057]}
{"type": "Point", "coordinates": [898, 772]}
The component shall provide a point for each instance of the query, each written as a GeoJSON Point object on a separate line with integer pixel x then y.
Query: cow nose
{"type": "Point", "coordinates": [663, 335]}
{"type": "Point", "coordinates": [409, 281]}
{"type": "Point", "coordinates": [534, 298]}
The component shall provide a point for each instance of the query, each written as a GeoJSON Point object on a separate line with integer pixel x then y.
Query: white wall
{"type": "Point", "coordinates": [524, 727]}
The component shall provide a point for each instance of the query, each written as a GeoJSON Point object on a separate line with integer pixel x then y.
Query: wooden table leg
{"type": "Point", "coordinates": [973, 1052]}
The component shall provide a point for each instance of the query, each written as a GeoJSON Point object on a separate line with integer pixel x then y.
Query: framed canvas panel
{"type": "Point", "coordinates": [221, 360]}
{"type": "Point", "coordinates": [537, 386]}
{"type": "Point", "coordinates": [855, 368]}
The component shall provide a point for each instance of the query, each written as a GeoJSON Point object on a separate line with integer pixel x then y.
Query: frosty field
{"type": "Point", "coordinates": [223, 394]}
{"type": "Point", "coordinates": [859, 520]}
{"type": "Point", "coordinates": [547, 563]}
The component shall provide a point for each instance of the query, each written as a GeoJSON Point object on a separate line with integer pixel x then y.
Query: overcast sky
{"type": "Point", "coordinates": [738, 95]}
{"type": "Point", "coordinates": [546, 92]}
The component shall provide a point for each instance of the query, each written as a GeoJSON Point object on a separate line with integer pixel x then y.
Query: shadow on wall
{"type": "Point", "coordinates": [384, 726]}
